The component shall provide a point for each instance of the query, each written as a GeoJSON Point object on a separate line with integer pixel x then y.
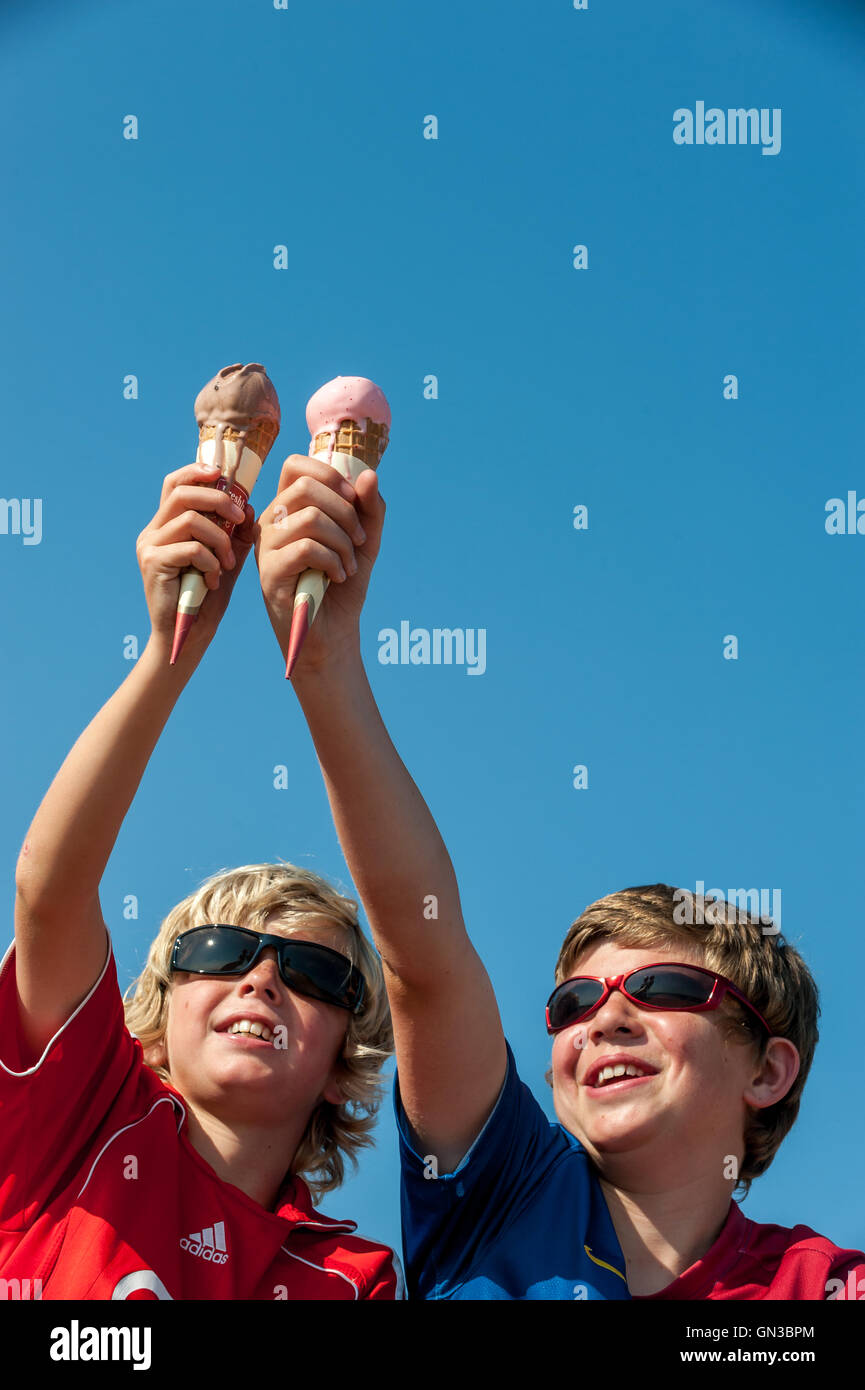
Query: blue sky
{"type": "Point", "coordinates": [556, 387]}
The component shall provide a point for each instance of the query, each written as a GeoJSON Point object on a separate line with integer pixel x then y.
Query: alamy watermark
{"type": "Point", "coordinates": [851, 1289]}
{"type": "Point", "coordinates": [441, 646]}
{"type": "Point", "coordinates": [20, 1290]}
{"type": "Point", "coordinates": [732, 127]}
{"type": "Point", "coordinates": [21, 516]}
{"type": "Point", "coordinates": [845, 519]}
{"type": "Point", "coordinates": [77, 1343]}
{"type": "Point", "coordinates": [710, 908]}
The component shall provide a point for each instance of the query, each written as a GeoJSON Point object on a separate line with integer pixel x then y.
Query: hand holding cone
{"type": "Point", "coordinates": [349, 424]}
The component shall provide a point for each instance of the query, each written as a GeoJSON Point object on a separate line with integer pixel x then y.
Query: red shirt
{"type": "Point", "coordinates": [102, 1196]}
{"type": "Point", "coordinates": [750, 1261]}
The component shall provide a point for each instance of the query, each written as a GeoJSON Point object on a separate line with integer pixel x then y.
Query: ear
{"type": "Point", "coordinates": [156, 1055]}
{"type": "Point", "coordinates": [332, 1090]}
{"type": "Point", "coordinates": [333, 1094]}
{"type": "Point", "coordinates": [776, 1074]}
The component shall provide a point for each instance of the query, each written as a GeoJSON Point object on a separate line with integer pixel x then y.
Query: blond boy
{"type": "Point", "coordinates": [170, 1165]}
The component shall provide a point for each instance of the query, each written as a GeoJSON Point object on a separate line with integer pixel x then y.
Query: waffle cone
{"type": "Point", "coordinates": [367, 445]}
{"type": "Point", "coordinates": [260, 438]}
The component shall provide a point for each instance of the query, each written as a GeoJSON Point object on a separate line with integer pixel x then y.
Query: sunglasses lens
{"type": "Point", "coordinates": [319, 972]}
{"type": "Point", "coordinates": [214, 951]}
{"type": "Point", "coordinates": [571, 1000]}
{"type": "Point", "coordinates": [669, 987]}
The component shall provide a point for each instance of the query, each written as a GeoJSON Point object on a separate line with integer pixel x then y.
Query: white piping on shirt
{"type": "Point", "coordinates": [161, 1101]}
{"type": "Point", "coordinates": [325, 1271]}
{"type": "Point", "coordinates": [349, 1226]}
{"type": "Point", "coordinates": [397, 1267]}
{"type": "Point", "coordinates": [37, 1065]}
{"type": "Point", "coordinates": [178, 1105]}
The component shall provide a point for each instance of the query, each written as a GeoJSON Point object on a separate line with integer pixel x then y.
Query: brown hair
{"type": "Point", "coordinates": [750, 952]}
{"type": "Point", "coordinates": [249, 897]}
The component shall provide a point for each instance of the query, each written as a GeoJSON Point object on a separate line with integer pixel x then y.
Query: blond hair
{"type": "Point", "coordinates": [248, 897]}
{"type": "Point", "coordinates": [769, 972]}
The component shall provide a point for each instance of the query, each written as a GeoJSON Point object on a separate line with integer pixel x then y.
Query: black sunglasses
{"type": "Point", "coordinates": [306, 967]}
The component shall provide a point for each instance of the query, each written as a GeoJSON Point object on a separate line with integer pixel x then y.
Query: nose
{"type": "Point", "coordinates": [615, 1014]}
{"type": "Point", "coordinates": [264, 974]}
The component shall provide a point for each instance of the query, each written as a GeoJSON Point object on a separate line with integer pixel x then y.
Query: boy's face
{"type": "Point", "coordinates": [685, 1117]}
{"type": "Point", "coordinates": [240, 1076]}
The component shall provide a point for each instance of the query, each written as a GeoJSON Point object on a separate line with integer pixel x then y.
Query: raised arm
{"type": "Point", "coordinates": [60, 936]}
{"type": "Point", "coordinates": [449, 1042]}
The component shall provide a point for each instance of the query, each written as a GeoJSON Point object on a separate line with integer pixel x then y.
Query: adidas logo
{"type": "Point", "coordinates": [208, 1244]}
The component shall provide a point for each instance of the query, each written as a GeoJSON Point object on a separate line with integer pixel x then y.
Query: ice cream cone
{"type": "Point", "coordinates": [238, 422]}
{"type": "Point", "coordinates": [368, 444]}
{"type": "Point", "coordinates": [260, 440]}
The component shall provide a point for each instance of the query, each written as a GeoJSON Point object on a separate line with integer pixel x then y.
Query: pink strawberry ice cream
{"type": "Point", "coordinates": [346, 398]}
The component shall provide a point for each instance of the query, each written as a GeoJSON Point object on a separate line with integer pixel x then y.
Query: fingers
{"type": "Point", "coordinates": [158, 558]}
{"type": "Point", "coordinates": [298, 466]}
{"type": "Point", "coordinates": [189, 474]}
{"type": "Point", "coordinates": [192, 526]}
{"type": "Point", "coordinates": [188, 497]}
{"type": "Point", "coordinates": [183, 517]}
{"type": "Point", "coordinates": [309, 554]}
{"type": "Point", "coordinates": [320, 521]}
{"type": "Point", "coordinates": [311, 540]}
{"type": "Point", "coordinates": [190, 538]}
{"type": "Point", "coordinates": [308, 489]}
{"type": "Point", "coordinates": [313, 515]}
{"type": "Point", "coordinates": [244, 534]}
{"type": "Point", "coordinates": [187, 490]}
{"type": "Point", "coordinates": [371, 511]}
{"type": "Point", "coordinates": [242, 543]}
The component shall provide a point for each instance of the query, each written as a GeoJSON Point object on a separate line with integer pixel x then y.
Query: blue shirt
{"type": "Point", "coordinates": [522, 1217]}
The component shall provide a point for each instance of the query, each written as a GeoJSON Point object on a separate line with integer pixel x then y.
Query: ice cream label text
{"type": "Point", "coordinates": [237, 494]}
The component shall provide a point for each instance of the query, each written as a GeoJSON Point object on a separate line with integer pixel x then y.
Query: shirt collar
{"type": "Point", "coordinates": [696, 1281]}
{"type": "Point", "coordinates": [294, 1204]}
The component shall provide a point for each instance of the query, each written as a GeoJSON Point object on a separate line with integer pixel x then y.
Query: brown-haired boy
{"type": "Point", "coordinates": [630, 1195]}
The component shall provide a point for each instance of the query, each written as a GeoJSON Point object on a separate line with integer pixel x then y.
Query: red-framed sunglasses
{"type": "Point", "coordinates": [665, 985]}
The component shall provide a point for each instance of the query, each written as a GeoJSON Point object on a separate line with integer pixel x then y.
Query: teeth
{"type": "Point", "coordinates": [613, 1073]}
{"type": "Point", "coordinates": [258, 1030]}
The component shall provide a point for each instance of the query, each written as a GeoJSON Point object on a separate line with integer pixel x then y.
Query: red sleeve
{"type": "Point", "coordinates": [387, 1281]}
{"type": "Point", "coordinates": [51, 1112]}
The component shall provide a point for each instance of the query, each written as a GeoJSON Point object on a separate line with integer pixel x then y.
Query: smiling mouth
{"type": "Point", "coordinates": [254, 1028]}
{"type": "Point", "coordinates": [620, 1084]}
